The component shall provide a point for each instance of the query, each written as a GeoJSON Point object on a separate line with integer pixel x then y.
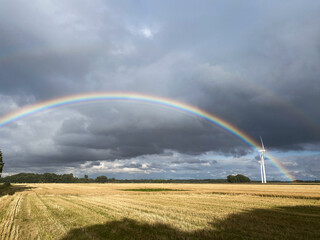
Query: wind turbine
{"type": "Point", "coordinates": [262, 168]}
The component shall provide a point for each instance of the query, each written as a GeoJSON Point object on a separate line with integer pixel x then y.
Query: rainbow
{"type": "Point", "coordinates": [124, 96]}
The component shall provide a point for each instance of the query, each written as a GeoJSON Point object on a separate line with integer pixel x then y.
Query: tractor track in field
{"type": "Point", "coordinates": [8, 230]}
{"type": "Point", "coordinates": [42, 206]}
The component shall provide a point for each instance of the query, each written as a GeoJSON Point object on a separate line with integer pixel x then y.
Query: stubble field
{"type": "Point", "coordinates": [202, 211]}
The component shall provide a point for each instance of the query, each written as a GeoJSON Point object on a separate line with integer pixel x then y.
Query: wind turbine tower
{"type": "Point", "coordinates": [262, 168]}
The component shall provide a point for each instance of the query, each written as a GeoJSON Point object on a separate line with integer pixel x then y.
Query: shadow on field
{"type": "Point", "coordinates": [12, 189]}
{"type": "Point", "coordinates": [299, 222]}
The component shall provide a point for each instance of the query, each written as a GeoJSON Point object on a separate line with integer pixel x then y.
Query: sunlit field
{"type": "Point", "coordinates": [200, 211]}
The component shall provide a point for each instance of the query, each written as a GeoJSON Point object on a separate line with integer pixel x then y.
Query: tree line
{"type": "Point", "coordinates": [1, 163]}
{"type": "Point", "coordinates": [53, 178]}
{"type": "Point", "coordinates": [69, 178]}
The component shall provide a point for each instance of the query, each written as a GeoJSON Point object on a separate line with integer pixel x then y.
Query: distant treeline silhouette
{"type": "Point", "coordinates": [42, 178]}
{"type": "Point", "coordinates": [69, 178]}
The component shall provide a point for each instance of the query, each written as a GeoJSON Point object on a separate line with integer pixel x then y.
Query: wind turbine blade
{"type": "Point", "coordinates": [262, 143]}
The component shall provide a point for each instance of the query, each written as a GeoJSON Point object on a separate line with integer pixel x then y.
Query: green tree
{"type": "Point", "coordinates": [85, 179]}
{"type": "Point", "coordinates": [101, 179]}
{"type": "Point", "coordinates": [68, 178]}
{"type": "Point", "coordinates": [242, 178]}
{"type": "Point", "coordinates": [231, 179]}
{"type": "Point", "coordinates": [238, 178]}
{"type": "Point", "coordinates": [1, 163]}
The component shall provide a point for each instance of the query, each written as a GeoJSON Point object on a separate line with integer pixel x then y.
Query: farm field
{"type": "Point", "coordinates": [201, 211]}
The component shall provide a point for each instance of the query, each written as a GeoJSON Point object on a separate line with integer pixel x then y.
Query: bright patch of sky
{"type": "Point", "coordinates": [146, 32]}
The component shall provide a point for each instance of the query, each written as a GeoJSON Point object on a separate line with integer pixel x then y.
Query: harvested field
{"type": "Point", "coordinates": [204, 211]}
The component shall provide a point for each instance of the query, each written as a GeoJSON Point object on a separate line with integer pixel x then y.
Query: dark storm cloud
{"type": "Point", "coordinates": [254, 64]}
{"type": "Point", "coordinates": [189, 161]}
{"type": "Point", "coordinates": [143, 130]}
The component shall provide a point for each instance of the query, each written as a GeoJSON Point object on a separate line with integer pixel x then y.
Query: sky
{"type": "Point", "coordinates": [254, 64]}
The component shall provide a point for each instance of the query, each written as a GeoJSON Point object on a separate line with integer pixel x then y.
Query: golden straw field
{"type": "Point", "coordinates": [201, 211]}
